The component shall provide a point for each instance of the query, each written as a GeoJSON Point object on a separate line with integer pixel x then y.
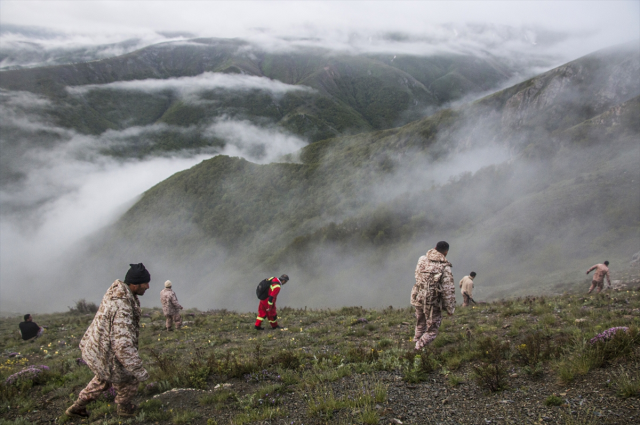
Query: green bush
{"type": "Point", "coordinates": [553, 400]}
{"type": "Point", "coordinates": [362, 354]}
{"type": "Point", "coordinates": [491, 373]}
{"type": "Point", "coordinates": [626, 384]}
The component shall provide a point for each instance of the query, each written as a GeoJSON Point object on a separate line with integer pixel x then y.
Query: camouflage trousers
{"type": "Point", "coordinates": [125, 391]}
{"type": "Point", "coordinates": [174, 318]}
{"type": "Point", "coordinates": [427, 327]}
{"type": "Point", "coordinates": [595, 284]}
{"type": "Point", "coordinates": [466, 299]}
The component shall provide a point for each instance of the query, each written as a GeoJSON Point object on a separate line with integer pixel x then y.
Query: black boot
{"type": "Point", "coordinates": [258, 328]}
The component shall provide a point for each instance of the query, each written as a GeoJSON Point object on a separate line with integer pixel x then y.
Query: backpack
{"type": "Point", "coordinates": [262, 291]}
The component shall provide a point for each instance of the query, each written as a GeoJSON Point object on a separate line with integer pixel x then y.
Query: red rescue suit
{"type": "Point", "coordinates": [267, 308]}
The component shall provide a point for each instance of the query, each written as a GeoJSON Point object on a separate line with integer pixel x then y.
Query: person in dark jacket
{"type": "Point", "coordinates": [29, 329]}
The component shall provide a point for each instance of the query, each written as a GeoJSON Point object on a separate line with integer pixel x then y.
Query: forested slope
{"type": "Point", "coordinates": [327, 93]}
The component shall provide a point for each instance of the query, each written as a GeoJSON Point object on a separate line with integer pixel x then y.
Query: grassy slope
{"type": "Point", "coordinates": [316, 370]}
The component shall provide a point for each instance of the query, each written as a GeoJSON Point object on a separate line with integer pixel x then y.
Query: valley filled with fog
{"type": "Point", "coordinates": [338, 157]}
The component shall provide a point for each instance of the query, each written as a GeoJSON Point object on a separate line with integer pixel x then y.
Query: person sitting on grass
{"type": "Point", "coordinates": [29, 329]}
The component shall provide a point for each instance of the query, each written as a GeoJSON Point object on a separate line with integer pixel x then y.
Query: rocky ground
{"type": "Point", "coordinates": [512, 361]}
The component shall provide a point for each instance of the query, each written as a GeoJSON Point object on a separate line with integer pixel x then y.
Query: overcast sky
{"type": "Point", "coordinates": [600, 23]}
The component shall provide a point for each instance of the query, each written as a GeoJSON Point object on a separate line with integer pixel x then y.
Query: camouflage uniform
{"type": "Point", "coordinates": [110, 347]}
{"type": "Point", "coordinates": [466, 288]}
{"type": "Point", "coordinates": [602, 271]}
{"type": "Point", "coordinates": [434, 291]}
{"type": "Point", "coordinates": [171, 308]}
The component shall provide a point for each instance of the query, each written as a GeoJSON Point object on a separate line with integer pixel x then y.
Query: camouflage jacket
{"type": "Point", "coordinates": [434, 283]}
{"type": "Point", "coordinates": [170, 304]}
{"type": "Point", "coordinates": [110, 345]}
{"type": "Point", "coordinates": [466, 286]}
{"type": "Point", "coordinates": [602, 271]}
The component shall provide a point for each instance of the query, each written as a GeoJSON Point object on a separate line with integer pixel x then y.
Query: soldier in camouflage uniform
{"type": "Point", "coordinates": [170, 306]}
{"type": "Point", "coordinates": [110, 345]}
{"type": "Point", "coordinates": [433, 292]}
{"type": "Point", "coordinates": [602, 271]}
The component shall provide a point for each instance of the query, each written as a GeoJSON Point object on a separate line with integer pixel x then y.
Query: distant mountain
{"type": "Point", "coordinates": [529, 185]}
{"type": "Point", "coordinates": [30, 47]}
{"type": "Point", "coordinates": [346, 93]}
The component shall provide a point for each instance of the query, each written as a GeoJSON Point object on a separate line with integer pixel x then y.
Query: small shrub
{"type": "Point", "coordinates": [218, 397]}
{"type": "Point", "coordinates": [361, 354]}
{"type": "Point", "coordinates": [154, 410]}
{"type": "Point", "coordinates": [385, 343]}
{"type": "Point", "coordinates": [491, 372]}
{"type": "Point", "coordinates": [184, 416]}
{"type": "Point", "coordinates": [627, 385]}
{"type": "Point", "coordinates": [453, 363]}
{"type": "Point", "coordinates": [322, 401]}
{"type": "Point", "coordinates": [234, 367]}
{"type": "Point", "coordinates": [416, 366]}
{"type": "Point", "coordinates": [84, 307]}
{"type": "Point", "coordinates": [548, 320]}
{"type": "Point", "coordinates": [531, 351]}
{"type": "Point", "coordinates": [535, 371]}
{"type": "Point", "coordinates": [288, 377]}
{"type": "Point", "coordinates": [553, 400]}
{"type": "Point", "coordinates": [455, 380]}
{"type": "Point", "coordinates": [369, 416]}
{"type": "Point", "coordinates": [286, 359]}
{"type": "Point", "coordinates": [360, 332]}
{"type": "Point", "coordinates": [268, 395]}
{"type": "Point", "coordinates": [492, 376]}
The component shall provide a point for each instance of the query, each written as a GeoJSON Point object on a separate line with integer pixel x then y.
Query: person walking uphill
{"type": "Point", "coordinates": [602, 271]}
{"type": "Point", "coordinates": [267, 306]}
{"type": "Point", "coordinates": [433, 292]}
{"type": "Point", "coordinates": [110, 345]}
{"type": "Point", "coordinates": [170, 306]}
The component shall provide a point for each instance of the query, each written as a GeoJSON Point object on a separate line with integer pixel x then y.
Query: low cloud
{"type": "Point", "coordinates": [191, 86]}
{"type": "Point", "coordinates": [34, 46]}
{"type": "Point", "coordinates": [258, 144]}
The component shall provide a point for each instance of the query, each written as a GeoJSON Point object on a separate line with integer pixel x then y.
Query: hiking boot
{"type": "Point", "coordinates": [128, 409]}
{"type": "Point", "coordinates": [258, 328]}
{"type": "Point", "coordinates": [77, 411]}
{"type": "Point", "coordinates": [276, 327]}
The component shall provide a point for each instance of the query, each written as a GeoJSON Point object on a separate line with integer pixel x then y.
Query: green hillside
{"type": "Point", "coordinates": [358, 211]}
{"type": "Point", "coordinates": [349, 365]}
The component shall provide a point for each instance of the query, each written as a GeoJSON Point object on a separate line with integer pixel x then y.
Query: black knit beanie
{"type": "Point", "coordinates": [137, 274]}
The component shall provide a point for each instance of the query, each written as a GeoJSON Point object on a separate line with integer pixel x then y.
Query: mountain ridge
{"type": "Point", "coordinates": [304, 217]}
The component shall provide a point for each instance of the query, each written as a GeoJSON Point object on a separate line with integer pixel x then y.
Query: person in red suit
{"type": "Point", "coordinates": [267, 307]}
